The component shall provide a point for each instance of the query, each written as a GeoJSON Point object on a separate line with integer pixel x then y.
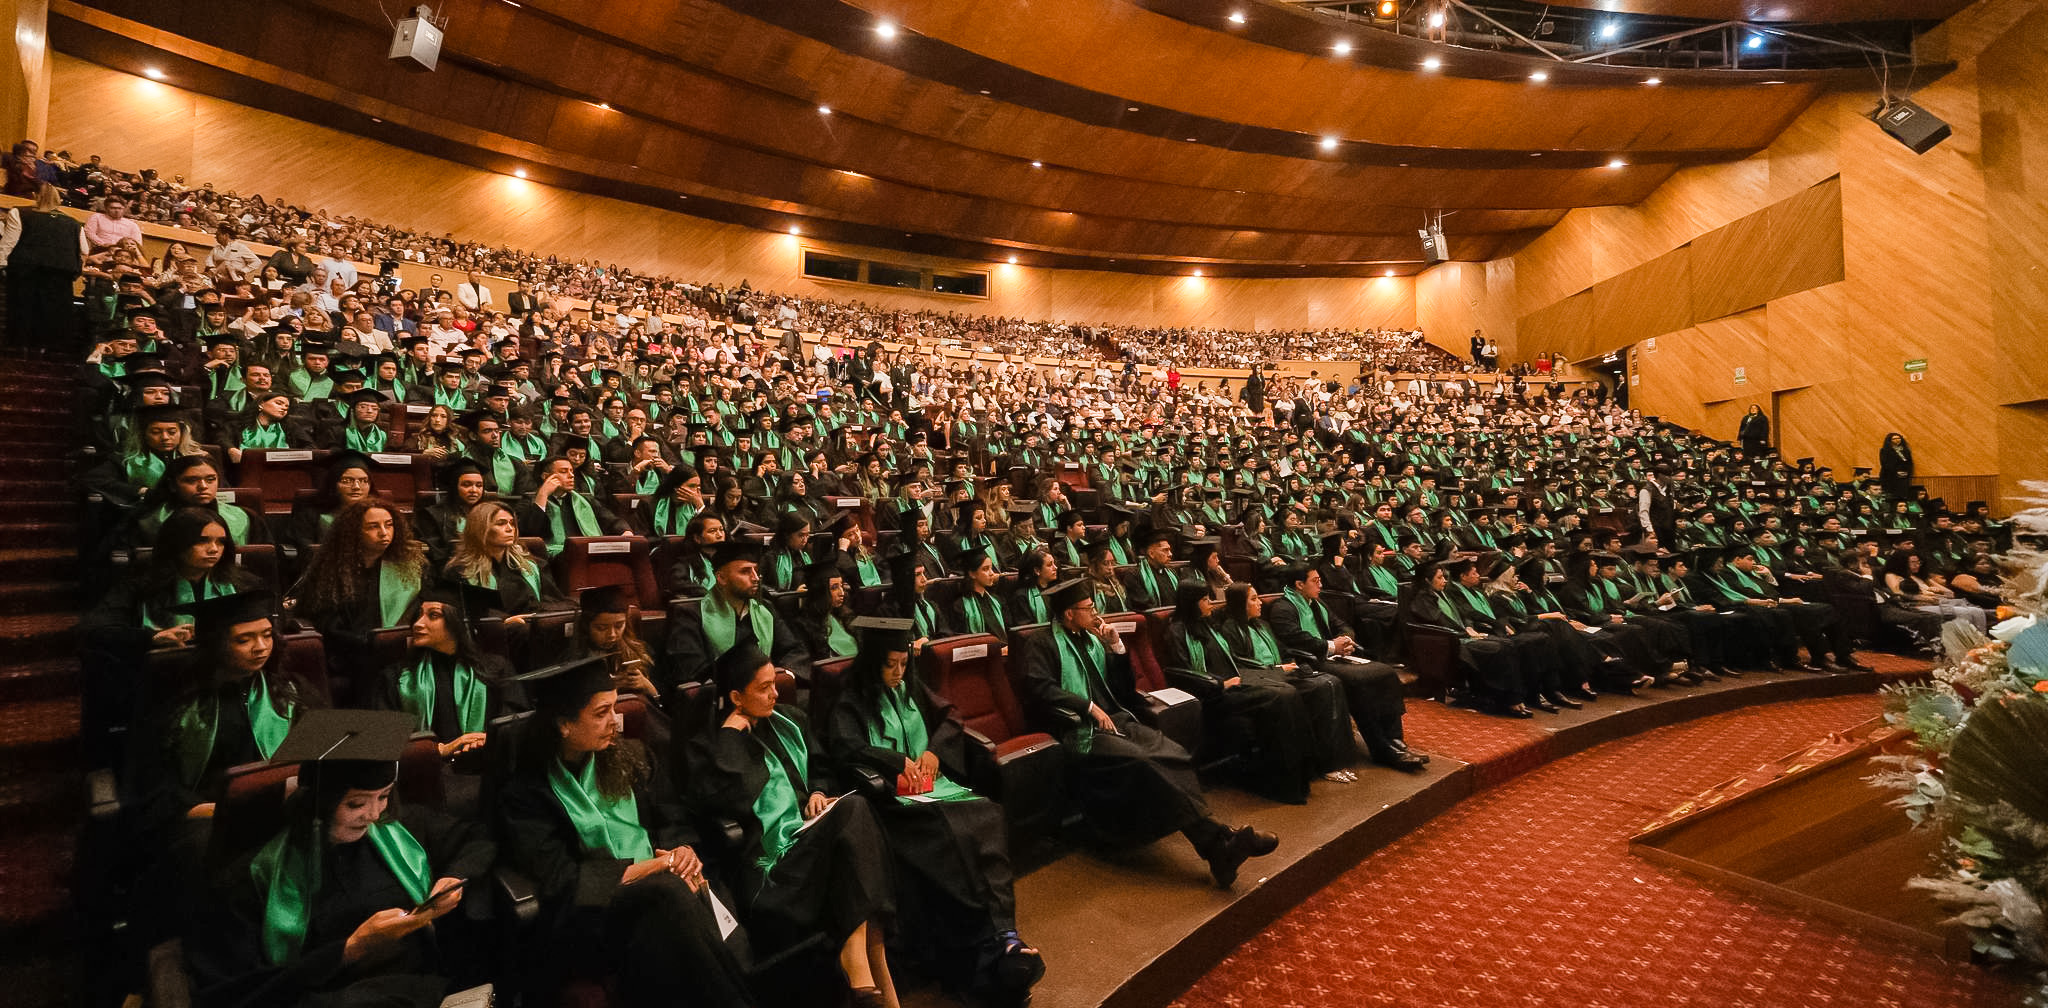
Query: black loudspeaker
{"type": "Point", "coordinates": [1433, 249]}
{"type": "Point", "coordinates": [1911, 125]}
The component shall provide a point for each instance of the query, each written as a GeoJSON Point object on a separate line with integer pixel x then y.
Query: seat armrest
{"type": "Point", "coordinates": [519, 894]}
{"type": "Point", "coordinates": [102, 797]}
{"type": "Point", "coordinates": [1201, 685]}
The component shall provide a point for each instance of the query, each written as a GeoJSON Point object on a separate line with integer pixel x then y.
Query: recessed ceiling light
{"type": "Point", "coordinates": [795, 230]}
{"type": "Point", "coordinates": [1237, 17]}
{"type": "Point", "coordinates": [1432, 63]}
{"type": "Point", "coordinates": [885, 29]}
{"type": "Point", "coordinates": [1535, 153]}
{"type": "Point", "coordinates": [1191, 139]}
{"type": "Point", "coordinates": [1540, 76]}
{"type": "Point", "coordinates": [1329, 143]}
{"type": "Point", "coordinates": [1130, 108]}
{"type": "Point", "coordinates": [1013, 260]}
{"type": "Point", "coordinates": [518, 173]}
{"type": "Point", "coordinates": [1037, 164]}
{"type": "Point", "coordinates": [1653, 81]}
{"type": "Point", "coordinates": [607, 106]}
{"type": "Point", "coordinates": [1436, 19]}
{"type": "Point", "coordinates": [152, 73]}
{"type": "Point", "coordinates": [374, 119]}
{"type": "Point", "coordinates": [1617, 163]}
{"type": "Point", "coordinates": [1198, 273]}
{"type": "Point", "coordinates": [824, 110]}
{"type": "Point", "coordinates": [1390, 273]}
{"type": "Point", "coordinates": [1343, 47]}
{"type": "Point", "coordinates": [1610, 30]}
{"type": "Point", "coordinates": [984, 90]}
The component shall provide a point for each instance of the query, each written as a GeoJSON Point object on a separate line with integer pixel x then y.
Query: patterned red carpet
{"type": "Point", "coordinates": [1526, 895]}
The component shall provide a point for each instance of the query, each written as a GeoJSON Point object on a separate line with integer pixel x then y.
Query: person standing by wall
{"type": "Point", "coordinates": [1755, 431]}
{"type": "Point", "coordinates": [42, 249]}
{"type": "Point", "coordinates": [1895, 467]}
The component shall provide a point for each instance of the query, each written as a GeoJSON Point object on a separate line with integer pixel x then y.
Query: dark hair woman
{"type": "Point", "coordinates": [194, 559]}
{"type": "Point", "coordinates": [347, 482]}
{"type": "Point", "coordinates": [193, 481]}
{"type": "Point", "coordinates": [1275, 751]}
{"type": "Point", "coordinates": [344, 902]}
{"type": "Point", "coordinates": [592, 819]}
{"type": "Point", "coordinates": [946, 843]}
{"type": "Point", "coordinates": [811, 864]}
{"type": "Point", "coordinates": [363, 579]}
{"type": "Point", "coordinates": [1895, 467]}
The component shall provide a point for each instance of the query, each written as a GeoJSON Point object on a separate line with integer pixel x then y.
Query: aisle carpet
{"type": "Point", "coordinates": [1526, 895]}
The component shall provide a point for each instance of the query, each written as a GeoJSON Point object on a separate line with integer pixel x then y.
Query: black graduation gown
{"type": "Point", "coordinates": [656, 936]}
{"type": "Point", "coordinates": [1541, 663]}
{"type": "Point", "coordinates": [832, 879]}
{"type": "Point", "coordinates": [1164, 587]}
{"type": "Point", "coordinates": [689, 655]}
{"type": "Point", "coordinates": [991, 621]}
{"type": "Point", "coordinates": [1371, 689]}
{"type": "Point", "coordinates": [1493, 669]}
{"type": "Point", "coordinates": [954, 884]}
{"type": "Point", "coordinates": [1263, 718]}
{"type": "Point", "coordinates": [440, 528]}
{"type": "Point", "coordinates": [1133, 787]}
{"type": "Point", "coordinates": [229, 967]}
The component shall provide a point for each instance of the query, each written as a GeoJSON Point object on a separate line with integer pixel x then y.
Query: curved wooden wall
{"type": "Point", "coordinates": [1825, 263]}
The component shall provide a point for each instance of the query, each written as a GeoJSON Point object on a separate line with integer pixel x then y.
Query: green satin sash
{"type": "Point", "coordinates": [416, 694]}
{"type": "Point", "coordinates": [289, 875]}
{"type": "Point", "coordinates": [611, 825]}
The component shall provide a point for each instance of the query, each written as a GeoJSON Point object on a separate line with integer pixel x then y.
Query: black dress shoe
{"type": "Point", "coordinates": [1242, 844]}
{"type": "Point", "coordinates": [1401, 748]}
{"type": "Point", "coordinates": [1517, 711]}
{"type": "Point", "coordinates": [1857, 666]}
{"type": "Point", "coordinates": [1406, 762]}
{"type": "Point", "coordinates": [1543, 704]}
{"type": "Point", "coordinates": [1730, 671]}
{"type": "Point", "coordinates": [1562, 700]}
{"type": "Point", "coordinates": [1583, 691]}
{"type": "Point", "coordinates": [1813, 668]}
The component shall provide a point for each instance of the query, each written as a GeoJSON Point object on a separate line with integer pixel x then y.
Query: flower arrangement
{"type": "Point", "coordinates": [1981, 728]}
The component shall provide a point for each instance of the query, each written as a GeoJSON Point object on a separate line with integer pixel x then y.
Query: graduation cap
{"type": "Point", "coordinates": [605, 599]}
{"type": "Point", "coordinates": [883, 635]}
{"type": "Point", "coordinates": [1068, 594]}
{"type": "Point", "coordinates": [449, 365]}
{"type": "Point", "coordinates": [561, 690]}
{"type": "Point", "coordinates": [340, 749]}
{"type": "Point", "coordinates": [968, 560]}
{"type": "Point", "coordinates": [452, 472]}
{"type": "Point", "coordinates": [1606, 560]}
{"type": "Point", "coordinates": [902, 567]}
{"type": "Point", "coordinates": [160, 413]}
{"type": "Point", "coordinates": [1023, 510]}
{"type": "Point", "coordinates": [216, 615]}
{"type": "Point", "coordinates": [735, 550]}
{"type": "Point", "coordinates": [361, 396]}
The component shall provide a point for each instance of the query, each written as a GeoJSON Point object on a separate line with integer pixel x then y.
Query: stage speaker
{"type": "Point", "coordinates": [1433, 249]}
{"type": "Point", "coordinates": [1911, 125]}
{"type": "Point", "coordinates": [417, 43]}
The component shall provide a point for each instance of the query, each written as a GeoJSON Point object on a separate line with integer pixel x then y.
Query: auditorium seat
{"type": "Point", "coordinates": [279, 475]}
{"type": "Point", "coordinates": [1021, 769]}
{"type": "Point", "coordinates": [597, 561]}
{"type": "Point", "coordinates": [1179, 720]}
{"type": "Point", "coordinates": [249, 811]}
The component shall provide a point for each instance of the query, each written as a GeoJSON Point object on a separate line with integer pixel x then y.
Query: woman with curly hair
{"type": "Point", "coordinates": [364, 578]}
{"type": "Point", "coordinates": [490, 556]}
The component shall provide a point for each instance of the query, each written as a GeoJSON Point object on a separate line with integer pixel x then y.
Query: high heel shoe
{"type": "Point", "coordinates": [1562, 700]}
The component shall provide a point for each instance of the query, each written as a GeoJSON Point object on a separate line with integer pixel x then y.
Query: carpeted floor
{"type": "Point", "coordinates": [1526, 895]}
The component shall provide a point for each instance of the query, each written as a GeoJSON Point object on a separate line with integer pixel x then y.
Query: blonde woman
{"type": "Point", "coordinates": [489, 555]}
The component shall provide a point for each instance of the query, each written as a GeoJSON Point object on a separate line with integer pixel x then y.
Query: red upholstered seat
{"type": "Point", "coordinates": [596, 561]}
{"type": "Point", "coordinates": [1020, 768]}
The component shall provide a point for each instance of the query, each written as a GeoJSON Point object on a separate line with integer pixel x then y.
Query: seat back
{"type": "Point", "coordinates": [1156, 623]}
{"type": "Point", "coordinates": [549, 638]}
{"type": "Point", "coordinates": [304, 656]}
{"type": "Point", "coordinates": [969, 672]}
{"type": "Point", "coordinates": [828, 680]}
{"type": "Point", "coordinates": [419, 772]}
{"type": "Point", "coordinates": [394, 477]}
{"type": "Point", "coordinates": [1145, 670]}
{"type": "Point", "coordinates": [250, 810]}
{"type": "Point", "coordinates": [278, 474]}
{"type": "Point", "coordinates": [596, 561]}
{"type": "Point", "coordinates": [260, 560]}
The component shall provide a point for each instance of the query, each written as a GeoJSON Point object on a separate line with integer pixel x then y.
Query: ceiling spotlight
{"type": "Point", "coordinates": [795, 230]}
{"type": "Point", "coordinates": [1037, 164]}
{"type": "Point", "coordinates": [1013, 260]}
{"type": "Point", "coordinates": [824, 110]}
{"type": "Point", "coordinates": [1329, 143]}
{"type": "Point", "coordinates": [1617, 163]}
{"type": "Point", "coordinates": [885, 29]}
{"type": "Point", "coordinates": [1390, 274]}
{"type": "Point", "coordinates": [1388, 8]}
{"type": "Point", "coordinates": [1539, 76]}
{"type": "Point", "coordinates": [1610, 30]}
{"type": "Point", "coordinates": [1432, 63]}
{"type": "Point", "coordinates": [984, 90]}
{"type": "Point", "coordinates": [1130, 108]}
{"type": "Point", "coordinates": [1237, 17]}
{"type": "Point", "coordinates": [152, 73]}
{"type": "Point", "coordinates": [518, 173]}
{"type": "Point", "coordinates": [1343, 47]}
{"type": "Point", "coordinates": [1653, 81]}
{"type": "Point", "coordinates": [1198, 273]}
{"type": "Point", "coordinates": [1756, 41]}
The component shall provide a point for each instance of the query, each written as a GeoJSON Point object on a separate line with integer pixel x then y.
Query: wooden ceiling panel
{"type": "Point", "coordinates": [1789, 11]}
{"type": "Point", "coordinates": [718, 101]}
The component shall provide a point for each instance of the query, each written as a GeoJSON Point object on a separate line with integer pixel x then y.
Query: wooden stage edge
{"type": "Point", "coordinates": [1124, 973]}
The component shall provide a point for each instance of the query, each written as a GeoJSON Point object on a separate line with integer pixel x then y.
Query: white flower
{"type": "Point", "coordinates": [2012, 628]}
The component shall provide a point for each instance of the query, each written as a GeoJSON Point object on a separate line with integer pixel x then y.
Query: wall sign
{"type": "Point", "coordinates": [1741, 376]}
{"type": "Point", "coordinates": [1916, 369]}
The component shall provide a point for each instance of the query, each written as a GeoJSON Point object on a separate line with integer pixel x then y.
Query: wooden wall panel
{"type": "Point", "coordinates": [24, 70]}
{"type": "Point", "coordinates": [1566, 326]}
{"type": "Point", "coordinates": [1643, 302]}
{"type": "Point", "coordinates": [1454, 298]}
{"type": "Point", "coordinates": [138, 123]}
{"type": "Point", "coordinates": [2016, 193]}
{"type": "Point", "coordinates": [1808, 330]}
{"type": "Point", "coordinates": [1805, 235]}
{"type": "Point", "coordinates": [1725, 269]}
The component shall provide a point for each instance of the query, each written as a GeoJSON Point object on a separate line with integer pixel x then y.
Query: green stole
{"type": "Point", "coordinates": [900, 729]}
{"type": "Point", "coordinates": [865, 572]}
{"type": "Point", "coordinates": [395, 592]}
{"type": "Point", "coordinates": [586, 519]}
{"type": "Point", "coordinates": [1075, 673]}
{"type": "Point", "coordinates": [310, 387]}
{"type": "Point", "coordinates": [671, 517]}
{"type": "Point", "coordinates": [1151, 583]}
{"type": "Point", "coordinates": [1384, 578]}
{"type": "Point", "coordinates": [457, 400]}
{"type": "Point", "coordinates": [1478, 600]}
{"type": "Point", "coordinates": [611, 825]}
{"type": "Point", "coordinates": [208, 588]}
{"type": "Point", "coordinates": [527, 449]}
{"type": "Point", "coordinates": [370, 439]}
{"type": "Point", "coordinates": [1116, 549]}
{"type": "Point", "coordinates": [236, 520]}
{"type": "Point", "coordinates": [416, 693]}
{"type": "Point", "coordinates": [970, 610]}
{"type": "Point", "coordinates": [924, 618]}
{"type": "Point", "coordinates": [837, 639]}
{"type": "Point", "coordinates": [142, 468]}
{"type": "Point", "coordinates": [199, 723]}
{"type": "Point", "coordinates": [719, 629]}
{"type": "Point", "coordinates": [1034, 600]}
{"type": "Point", "coordinates": [1310, 610]}
{"type": "Point", "coordinates": [1265, 649]}
{"type": "Point", "coordinates": [1443, 605]}
{"type": "Point", "coordinates": [649, 481]}
{"type": "Point", "coordinates": [779, 806]}
{"type": "Point", "coordinates": [261, 435]}
{"type": "Point", "coordinates": [289, 876]}
{"type": "Point", "coordinates": [504, 472]}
